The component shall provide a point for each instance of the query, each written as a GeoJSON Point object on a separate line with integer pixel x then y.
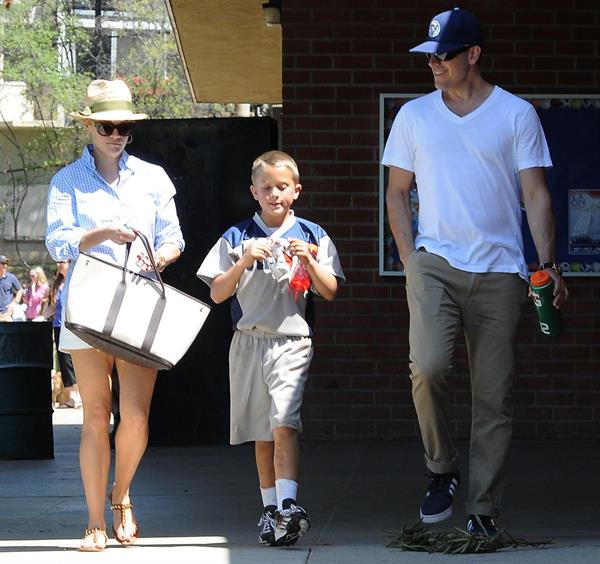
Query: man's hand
{"type": "Point", "coordinates": [404, 259]}
{"type": "Point", "coordinates": [560, 288]}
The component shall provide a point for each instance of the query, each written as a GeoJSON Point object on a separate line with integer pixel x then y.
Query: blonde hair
{"type": "Point", "coordinates": [40, 275]}
{"type": "Point", "coordinates": [275, 159]}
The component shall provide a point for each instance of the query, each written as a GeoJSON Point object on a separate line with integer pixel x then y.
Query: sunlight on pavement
{"type": "Point", "coordinates": [67, 416]}
{"type": "Point", "coordinates": [164, 549]}
{"type": "Point", "coordinates": [156, 541]}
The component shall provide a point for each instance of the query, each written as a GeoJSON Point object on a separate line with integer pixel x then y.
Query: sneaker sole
{"type": "Point", "coordinates": [298, 527]}
{"type": "Point", "coordinates": [264, 542]}
{"type": "Point", "coordinates": [485, 534]}
{"type": "Point", "coordinates": [294, 530]}
{"type": "Point", "coordinates": [304, 525]}
{"type": "Point", "coordinates": [436, 518]}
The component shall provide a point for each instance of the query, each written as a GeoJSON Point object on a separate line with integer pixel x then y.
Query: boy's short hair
{"type": "Point", "coordinates": [275, 158]}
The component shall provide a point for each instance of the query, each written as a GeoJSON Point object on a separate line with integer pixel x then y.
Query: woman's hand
{"type": "Point", "coordinates": [120, 234]}
{"type": "Point", "coordinates": [145, 264]}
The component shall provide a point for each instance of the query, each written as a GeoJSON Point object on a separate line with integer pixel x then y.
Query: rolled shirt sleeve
{"type": "Point", "coordinates": [167, 225]}
{"type": "Point", "coordinates": [63, 234]}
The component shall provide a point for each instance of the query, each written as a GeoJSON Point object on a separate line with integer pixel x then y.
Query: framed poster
{"type": "Point", "coordinates": [571, 123]}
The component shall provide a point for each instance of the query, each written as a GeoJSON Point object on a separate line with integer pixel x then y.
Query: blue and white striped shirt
{"type": "Point", "coordinates": [79, 199]}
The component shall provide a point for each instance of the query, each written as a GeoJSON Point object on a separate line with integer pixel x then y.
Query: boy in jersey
{"type": "Point", "coordinates": [257, 262]}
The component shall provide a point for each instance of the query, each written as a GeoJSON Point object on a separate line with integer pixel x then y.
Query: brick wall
{"type": "Point", "coordinates": [338, 57]}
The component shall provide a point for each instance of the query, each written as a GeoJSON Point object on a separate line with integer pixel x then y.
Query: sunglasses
{"type": "Point", "coordinates": [447, 55]}
{"type": "Point", "coordinates": [106, 128]}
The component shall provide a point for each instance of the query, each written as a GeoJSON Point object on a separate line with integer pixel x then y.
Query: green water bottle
{"type": "Point", "coordinates": [542, 288]}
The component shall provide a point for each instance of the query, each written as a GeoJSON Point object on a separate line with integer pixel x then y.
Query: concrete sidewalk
{"type": "Point", "coordinates": [201, 504]}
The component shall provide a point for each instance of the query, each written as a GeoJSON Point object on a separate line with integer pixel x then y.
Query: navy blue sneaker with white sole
{"type": "Point", "coordinates": [437, 504]}
{"type": "Point", "coordinates": [481, 525]}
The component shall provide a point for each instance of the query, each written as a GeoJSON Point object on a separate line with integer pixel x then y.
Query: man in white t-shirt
{"type": "Point", "coordinates": [476, 152]}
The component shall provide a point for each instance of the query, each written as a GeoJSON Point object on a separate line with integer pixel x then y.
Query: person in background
{"type": "Point", "coordinates": [94, 205]}
{"type": "Point", "coordinates": [36, 294]}
{"type": "Point", "coordinates": [10, 291]}
{"type": "Point", "coordinates": [53, 312]}
{"type": "Point", "coordinates": [476, 152]}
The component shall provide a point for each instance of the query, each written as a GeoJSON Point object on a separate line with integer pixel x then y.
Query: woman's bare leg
{"type": "Point", "coordinates": [93, 369]}
{"type": "Point", "coordinates": [136, 388]}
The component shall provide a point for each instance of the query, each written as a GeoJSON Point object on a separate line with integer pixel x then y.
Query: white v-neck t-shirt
{"type": "Point", "coordinates": [467, 174]}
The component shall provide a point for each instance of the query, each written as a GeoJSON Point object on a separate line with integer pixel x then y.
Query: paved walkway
{"type": "Point", "coordinates": [200, 505]}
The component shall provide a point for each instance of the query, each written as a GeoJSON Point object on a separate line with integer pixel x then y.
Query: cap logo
{"type": "Point", "coordinates": [434, 28]}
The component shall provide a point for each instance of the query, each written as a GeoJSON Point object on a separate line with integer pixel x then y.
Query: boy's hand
{"type": "Point", "coordinates": [302, 250]}
{"type": "Point", "coordinates": [259, 249]}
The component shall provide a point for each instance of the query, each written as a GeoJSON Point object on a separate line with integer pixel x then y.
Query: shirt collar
{"type": "Point", "coordinates": [279, 231]}
{"type": "Point", "coordinates": [88, 158]}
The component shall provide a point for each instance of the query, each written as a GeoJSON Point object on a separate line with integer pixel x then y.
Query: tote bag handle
{"type": "Point", "coordinates": [150, 254]}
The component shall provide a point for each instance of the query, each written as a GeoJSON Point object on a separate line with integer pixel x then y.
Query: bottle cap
{"type": "Point", "coordinates": [540, 278]}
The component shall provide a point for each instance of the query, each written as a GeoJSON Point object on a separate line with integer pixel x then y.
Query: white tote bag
{"type": "Point", "coordinates": [131, 315]}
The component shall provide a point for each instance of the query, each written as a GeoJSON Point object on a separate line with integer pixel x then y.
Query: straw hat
{"type": "Point", "coordinates": [108, 100]}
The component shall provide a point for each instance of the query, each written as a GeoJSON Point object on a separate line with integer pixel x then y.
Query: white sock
{"type": "Point", "coordinates": [269, 496]}
{"type": "Point", "coordinates": [286, 489]}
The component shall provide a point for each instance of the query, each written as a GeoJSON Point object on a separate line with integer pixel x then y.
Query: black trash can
{"type": "Point", "coordinates": [25, 390]}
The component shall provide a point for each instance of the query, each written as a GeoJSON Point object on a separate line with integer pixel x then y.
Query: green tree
{"type": "Point", "coordinates": [152, 67]}
{"type": "Point", "coordinates": [37, 39]}
{"type": "Point", "coordinates": [51, 47]}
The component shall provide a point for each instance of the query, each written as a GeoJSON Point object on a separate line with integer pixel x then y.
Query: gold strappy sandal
{"type": "Point", "coordinates": [94, 547]}
{"type": "Point", "coordinates": [122, 508]}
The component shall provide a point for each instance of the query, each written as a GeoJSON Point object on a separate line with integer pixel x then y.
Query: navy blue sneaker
{"type": "Point", "coordinates": [481, 525]}
{"type": "Point", "coordinates": [266, 524]}
{"type": "Point", "coordinates": [437, 504]}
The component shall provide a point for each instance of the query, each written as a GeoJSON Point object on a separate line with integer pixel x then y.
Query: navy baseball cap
{"type": "Point", "coordinates": [450, 31]}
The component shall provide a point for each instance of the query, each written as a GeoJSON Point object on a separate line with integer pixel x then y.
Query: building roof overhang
{"type": "Point", "coordinates": [229, 53]}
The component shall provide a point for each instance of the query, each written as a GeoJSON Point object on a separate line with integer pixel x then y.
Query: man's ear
{"type": "Point", "coordinates": [297, 191]}
{"type": "Point", "coordinates": [254, 191]}
{"type": "Point", "coordinates": [474, 54]}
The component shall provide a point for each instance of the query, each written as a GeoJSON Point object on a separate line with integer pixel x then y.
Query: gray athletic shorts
{"type": "Point", "coordinates": [267, 374]}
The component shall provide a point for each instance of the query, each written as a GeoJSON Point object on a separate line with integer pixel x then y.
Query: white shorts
{"type": "Point", "coordinates": [267, 374]}
{"type": "Point", "coordinates": [68, 341]}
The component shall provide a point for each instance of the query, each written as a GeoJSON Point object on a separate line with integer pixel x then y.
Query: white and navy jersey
{"type": "Point", "coordinates": [261, 302]}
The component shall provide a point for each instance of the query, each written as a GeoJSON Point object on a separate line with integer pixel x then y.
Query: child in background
{"type": "Point", "coordinates": [257, 262]}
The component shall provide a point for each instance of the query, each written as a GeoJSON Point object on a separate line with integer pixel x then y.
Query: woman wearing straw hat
{"type": "Point", "coordinates": [93, 206]}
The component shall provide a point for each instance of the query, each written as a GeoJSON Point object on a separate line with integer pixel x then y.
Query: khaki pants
{"type": "Point", "coordinates": [487, 307]}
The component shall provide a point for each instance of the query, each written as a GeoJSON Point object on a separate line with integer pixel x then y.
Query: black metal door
{"type": "Point", "coordinates": [209, 161]}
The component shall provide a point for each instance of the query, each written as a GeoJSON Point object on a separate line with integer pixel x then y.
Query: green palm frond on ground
{"type": "Point", "coordinates": [418, 539]}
